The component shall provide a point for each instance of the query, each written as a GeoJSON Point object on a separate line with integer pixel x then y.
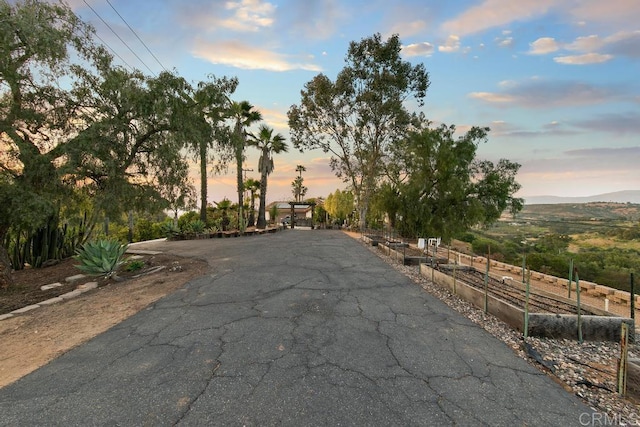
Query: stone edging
{"type": "Point", "coordinates": [80, 289]}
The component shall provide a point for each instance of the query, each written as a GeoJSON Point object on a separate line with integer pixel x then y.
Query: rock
{"type": "Point", "coordinates": [71, 279]}
{"type": "Point", "coordinates": [51, 286]}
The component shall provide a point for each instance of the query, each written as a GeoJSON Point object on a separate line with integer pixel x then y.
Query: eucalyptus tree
{"type": "Point", "coordinates": [362, 114]}
{"type": "Point", "coordinates": [243, 115]}
{"type": "Point", "coordinates": [268, 144]}
{"type": "Point", "coordinates": [37, 42]}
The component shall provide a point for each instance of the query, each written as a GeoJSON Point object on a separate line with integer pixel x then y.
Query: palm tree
{"type": "Point", "coordinates": [224, 205]}
{"type": "Point", "coordinates": [268, 144]}
{"type": "Point", "coordinates": [298, 189]}
{"type": "Point", "coordinates": [253, 186]}
{"type": "Point", "coordinates": [243, 115]}
{"type": "Point", "coordinates": [209, 100]}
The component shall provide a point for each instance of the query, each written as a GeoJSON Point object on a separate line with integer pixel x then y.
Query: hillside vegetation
{"type": "Point", "coordinates": [602, 239]}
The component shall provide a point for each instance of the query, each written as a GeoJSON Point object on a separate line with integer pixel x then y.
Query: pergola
{"type": "Point", "coordinates": [293, 211]}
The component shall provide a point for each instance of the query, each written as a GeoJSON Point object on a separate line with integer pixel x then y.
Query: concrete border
{"type": "Point", "coordinates": [594, 328]}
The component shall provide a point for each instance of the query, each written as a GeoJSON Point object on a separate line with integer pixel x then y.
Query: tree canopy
{"type": "Point", "coordinates": [361, 115]}
{"type": "Point", "coordinates": [74, 126]}
{"type": "Point", "coordinates": [438, 187]}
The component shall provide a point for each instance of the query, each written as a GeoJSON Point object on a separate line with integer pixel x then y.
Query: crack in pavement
{"type": "Point", "coordinates": [313, 330]}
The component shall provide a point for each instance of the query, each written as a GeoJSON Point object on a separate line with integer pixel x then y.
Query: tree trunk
{"type": "Point", "coordinates": [262, 222]}
{"type": "Point", "coordinates": [252, 212]}
{"type": "Point", "coordinates": [5, 264]}
{"type": "Point", "coordinates": [203, 182]}
{"type": "Point", "coordinates": [239, 149]}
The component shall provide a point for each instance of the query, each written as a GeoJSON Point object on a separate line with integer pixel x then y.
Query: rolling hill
{"type": "Point", "coordinates": [627, 196]}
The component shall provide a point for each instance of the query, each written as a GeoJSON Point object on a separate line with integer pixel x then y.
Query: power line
{"type": "Point", "coordinates": [118, 36]}
{"type": "Point", "coordinates": [114, 52]}
{"type": "Point", "coordinates": [138, 37]}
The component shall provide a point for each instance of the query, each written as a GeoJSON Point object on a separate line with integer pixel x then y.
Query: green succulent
{"type": "Point", "coordinates": [197, 226]}
{"type": "Point", "coordinates": [169, 229]}
{"type": "Point", "coordinates": [101, 258]}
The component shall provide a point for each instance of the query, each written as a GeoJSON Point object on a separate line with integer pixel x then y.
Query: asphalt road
{"type": "Point", "coordinates": [296, 328]}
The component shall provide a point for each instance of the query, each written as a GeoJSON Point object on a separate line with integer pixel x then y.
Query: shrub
{"type": "Point", "coordinates": [101, 258]}
{"type": "Point", "coordinates": [134, 265]}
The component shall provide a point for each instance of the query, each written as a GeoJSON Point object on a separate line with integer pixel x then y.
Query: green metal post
{"type": "Point", "coordinates": [524, 268]}
{"type": "Point", "coordinates": [578, 304]}
{"type": "Point", "coordinates": [570, 277]}
{"type": "Point", "coordinates": [454, 279]}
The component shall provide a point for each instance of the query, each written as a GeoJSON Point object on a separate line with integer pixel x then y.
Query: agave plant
{"type": "Point", "coordinates": [101, 258]}
{"type": "Point", "coordinates": [170, 230]}
{"type": "Point", "coordinates": [197, 226]}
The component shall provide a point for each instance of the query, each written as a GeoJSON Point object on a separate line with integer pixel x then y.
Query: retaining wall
{"type": "Point", "coordinates": [595, 328]}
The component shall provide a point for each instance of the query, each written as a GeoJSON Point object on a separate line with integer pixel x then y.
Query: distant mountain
{"type": "Point", "coordinates": [627, 196]}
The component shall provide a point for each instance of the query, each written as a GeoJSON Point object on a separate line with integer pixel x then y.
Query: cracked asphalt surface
{"type": "Point", "coordinates": [300, 327]}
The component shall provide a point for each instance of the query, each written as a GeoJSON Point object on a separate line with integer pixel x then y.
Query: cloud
{"type": "Point", "coordinates": [316, 19]}
{"type": "Point", "coordinates": [541, 93]}
{"type": "Point", "coordinates": [249, 15]}
{"type": "Point", "coordinates": [501, 128]}
{"type": "Point", "coordinates": [495, 13]}
{"type": "Point", "coordinates": [418, 49]}
{"type": "Point", "coordinates": [543, 45]}
{"type": "Point", "coordinates": [504, 42]}
{"type": "Point", "coordinates": [626, 43]}
{"type": "Point", "coordinates": [608, 15]}
{"type": "Point", "coordinates": [594, 49]}
{"type": "Point", "coordinates": [611, 13]}
{"type": "Point", "coordinates": [239, 16]}
{"type": "Point", "coordinates": [605, 152]}
{"type": "Point", "coordinates": [589, 43]}
{"type": "Point", "coordinates": [584, 59]}
{"type": "Point", "coordinates": [452, 44]}
{"type": "Point", "coordinates": [240, 55]}
{"type": "Point", "coordinates": [615, 123]}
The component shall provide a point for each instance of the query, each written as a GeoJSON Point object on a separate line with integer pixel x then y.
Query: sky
{"type": "Point", "coordinates": [555, 80]}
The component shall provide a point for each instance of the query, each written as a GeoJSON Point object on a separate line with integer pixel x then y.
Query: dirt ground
{"type": "Point", "coordinates": [30, 340]}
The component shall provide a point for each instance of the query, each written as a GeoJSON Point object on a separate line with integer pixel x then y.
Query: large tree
{"type": "Point", "coordinates": [268, 144]}
{"type": "Point", "coordinates": [339, 205]}
{"type": "Point", "coordinates": [131, 137]}
{"type": "Point", "coordinates": [437, 187]}
{"type": "Point", "coordinates": [72, 122]}
{"type": "Point", "coordinates": [243, 115]}
{"type": "Point", "coordinates": [37, 40]}
{"type": "Point", "coordinates": [360, 116]}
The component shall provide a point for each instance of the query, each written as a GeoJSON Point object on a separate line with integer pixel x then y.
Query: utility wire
{"type": "Point", "coordinates": [120, 38]}
{"type": "Point", "coordinates": [114, 52]}
{"type": "Point", "coordinates": [138, 37]}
